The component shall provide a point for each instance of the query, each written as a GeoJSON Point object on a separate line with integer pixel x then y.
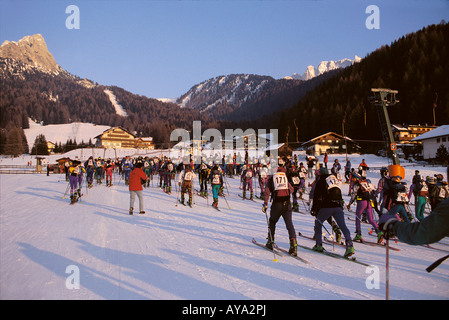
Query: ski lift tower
{"type": "Point", "coordinates": [381, 99]}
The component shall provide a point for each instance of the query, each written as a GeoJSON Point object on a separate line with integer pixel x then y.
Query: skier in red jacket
{"type": "Point", "coordinates": [136, 178]}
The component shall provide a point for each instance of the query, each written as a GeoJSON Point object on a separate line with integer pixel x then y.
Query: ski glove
{"type": "Point", "coordinates": [386, 222]}
{"type": "Point", "coordinates": [264, 208]}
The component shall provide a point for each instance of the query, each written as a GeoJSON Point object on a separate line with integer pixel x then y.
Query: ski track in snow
{"type": "Point", "coordinates": [177, 252]}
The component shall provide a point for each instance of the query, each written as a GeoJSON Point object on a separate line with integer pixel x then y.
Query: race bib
{"type": "Point", "coordinates": [249, 174]}
{"type": "Point", "coordinates": [296, 180]}
{"type": "Point", "coordinates": [333, 182]}
{"type": "Point", "coordinates": [443, 193]}
{"type": "Point", "coordinates": [402, 197]}
{"type": "Point", "coordinates": [302, 175]}
{"type": "Point", "coordinates": [216, 179]}
{"type": "Point", "coordinates": [188, 176]}
{"type": "Point", "coordinates": [280, 181]}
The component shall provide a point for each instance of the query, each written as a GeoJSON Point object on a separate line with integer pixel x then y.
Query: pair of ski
{"type": "Point", "coordinates": [332, 254]}
{"type": "Point", "coordinates": [76, 198]}
{"type": "Point", "coordinates": [185, 205]}
{"type": "Point", "coordinates": [279, 251]}
{"type": "Point", "coordinates": [245, 198]}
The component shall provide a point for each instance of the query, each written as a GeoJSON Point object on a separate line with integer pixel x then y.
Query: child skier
{"type": "Point", "coordinates": [362, 194]}
{"type": "Point", "coordinates": [89, 165]}
{"type": "Point", "coordinates": [263, 178]}
{"type": "Point", "coordinates": [185, 183]}
{"type": "Point", "coordinates": [127, 166]}
{"type": "Point", "coordinates": [109, 170]}
{"type": "Point", "coordinates": [169, 175]}
{"type": "Point", "coordinates": [247, 179]}
{"type": "Point", "coordinates": [73, 172]}
{"type": "Point", "coordinates": [216, 180]}
{"type": "Point", "coordinates": [99, 170]}
{"type": "Point", "coordinates": [295, 181]}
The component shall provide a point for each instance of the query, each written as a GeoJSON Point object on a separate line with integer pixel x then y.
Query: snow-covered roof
{"type": "Point", "coordinates": [437, 132]}
{"type": "Point", "coordinates": [399, 127]}
{"type": "Point", "coordinates": [328, 133]}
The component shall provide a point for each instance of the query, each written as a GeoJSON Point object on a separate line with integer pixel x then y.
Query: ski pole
{"type": "Point", "coordinates": [271, 236]}
{"type": "Point", "coordinates": [227, 202]}
{"type": "Point", "coordinates": [387, 273]}
{"type": "Point", "coordinates": [177, 196]}
{"type": "Point", "coordinates": [66, 190]}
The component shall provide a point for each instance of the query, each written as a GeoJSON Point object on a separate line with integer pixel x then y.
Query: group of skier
{"type": "Point", "coordinates": [281, 181]}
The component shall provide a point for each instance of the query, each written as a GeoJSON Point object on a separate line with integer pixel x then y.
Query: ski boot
{"type": "Point", "coordinates": [142, 212]}
{"type": "Point", "coordinates": [296, 207]}
{"type": "Point", "coordinates": [380, 237]}
{"type": "Point", "coordinates": [270, 242]}
{"type": "Point", "coordinates": [251, 197]}
{"type": "Point", "coordinates": [318, 248]}
{"type": "Point", "coordinates": [349, 251]}
{"type": "Point", "coordinates": [244, 194]}
{"type": "Point", "coordinates": [293, 250]}
{"type": "Point", "coordinates": [131, 210]}
{"type": "Point", "coordinates": [358, 236]}
{"type": "Point", "coordinates": [337, 232]}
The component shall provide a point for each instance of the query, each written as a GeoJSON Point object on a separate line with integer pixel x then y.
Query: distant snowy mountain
{"type": "Point", "coordinates": [324, 66]}
{"type": "Point", "coordinates": [233, 90]}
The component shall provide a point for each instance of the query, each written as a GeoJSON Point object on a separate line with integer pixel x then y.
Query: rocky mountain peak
{"type": "Point", "coordinates": [31, 50]}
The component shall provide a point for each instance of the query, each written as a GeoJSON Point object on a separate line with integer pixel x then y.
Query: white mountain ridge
{"type": "Point", "coordinates": [252, 88]}
{"type": "Point", "coordinates": [324, 66]}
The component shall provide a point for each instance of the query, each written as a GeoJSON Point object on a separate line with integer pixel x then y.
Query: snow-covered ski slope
{"type": "Point", "coordinates": [175, 252]}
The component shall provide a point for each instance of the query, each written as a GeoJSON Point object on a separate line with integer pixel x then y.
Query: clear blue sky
{"type": "Point", "coordinates": [162, 48]}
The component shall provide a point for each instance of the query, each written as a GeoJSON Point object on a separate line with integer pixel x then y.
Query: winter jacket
{"type": "Point", "coordinates": [136, 177]}
{"type": "Point", "coordinates": [279, 187]}
{"type": "Point", "coordinates": [431, 229]}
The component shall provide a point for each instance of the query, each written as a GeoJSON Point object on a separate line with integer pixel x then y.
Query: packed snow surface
{"type": "Point", "coordinates": [177, 252]}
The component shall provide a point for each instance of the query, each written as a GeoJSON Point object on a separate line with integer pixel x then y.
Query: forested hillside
{"type": "Point", "coordinates": [417, 65]}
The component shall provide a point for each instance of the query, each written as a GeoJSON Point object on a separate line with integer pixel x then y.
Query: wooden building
{"type": "Point", "coordinates": [330, 142]}
{"type": "Point", "coordinates": [119, 138]}
{"type": "Point", "coordinates": [404, 134]}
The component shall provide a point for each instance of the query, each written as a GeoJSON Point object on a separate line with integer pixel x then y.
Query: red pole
{"type": "Point", "coordinates": [387, 271]}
